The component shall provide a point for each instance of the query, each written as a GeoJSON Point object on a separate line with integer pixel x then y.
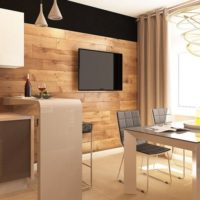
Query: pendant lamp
{"type": "Point", "coordinates": [194, 49]}
{"type": "Point", "coordinates": [55, 13]}
{"type": "Point", "coordinates": [188, 19]}
{"type": "Point", "coordinates": [41, 21]}
{"type": "Point", "coordinates": [192, 36]}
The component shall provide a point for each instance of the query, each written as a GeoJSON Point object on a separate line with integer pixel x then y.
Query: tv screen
{"type": "Point", "coordinates": [98, 70]}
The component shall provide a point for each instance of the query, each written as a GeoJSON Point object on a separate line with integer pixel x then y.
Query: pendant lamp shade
{"type": "Point", "coordinates": [41, 21]}
{"type": "Point", "coordinates": [55, 13]}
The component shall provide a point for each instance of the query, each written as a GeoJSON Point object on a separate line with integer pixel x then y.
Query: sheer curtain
{"type": "Point", "coordinates": [152, 63]}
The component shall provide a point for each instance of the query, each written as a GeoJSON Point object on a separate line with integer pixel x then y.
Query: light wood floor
{"type": "Point", "coordinates": [107, 188]}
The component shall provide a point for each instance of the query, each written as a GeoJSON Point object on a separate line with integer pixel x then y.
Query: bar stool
{"type": "Point", "coordinates": [87, 129]}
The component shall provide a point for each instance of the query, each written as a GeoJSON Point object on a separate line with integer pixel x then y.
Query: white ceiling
{"type": "Point", "coordinates": [131, 8]}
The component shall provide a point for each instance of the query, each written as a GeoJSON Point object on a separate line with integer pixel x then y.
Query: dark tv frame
{"type": "Point", "coordinates": [119, 71]}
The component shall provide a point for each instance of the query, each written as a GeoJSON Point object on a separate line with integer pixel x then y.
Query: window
{"type": "Point", "coordinates": [188, 80]}
{"type": "Point", "coordinates": [184, 73]}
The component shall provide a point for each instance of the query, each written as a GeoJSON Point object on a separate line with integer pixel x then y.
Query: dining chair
{"type": "Point", "coordinates": [160, 117]}
{"type": "Point", "coordinates": [127, 119]}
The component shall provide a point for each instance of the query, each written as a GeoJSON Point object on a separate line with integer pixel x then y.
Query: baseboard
{"type": "Point", "coordinates": [104, 153]}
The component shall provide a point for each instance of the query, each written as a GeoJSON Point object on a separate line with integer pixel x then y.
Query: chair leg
{"type": "Point", "coordinates": [172, 153]}
{"type": "Point", "coordinates": [183, 163]}
{"type": "Point", "coordinates": [141, 165]}
{"type": "Point", "coordinates": [155, 161]}
{"type": "Point", "coordinates": [148, 175]}
{"type": "Point", "coordinates": [183, 174]}
{"type": "Point", "coordinates": [120, 168]}
{"type": "Point", "coordinates": [183, 166]}
{"type": "Point", "coordinates": [169, 167]}
{"type": "Point", "coordinates": [147, 188]}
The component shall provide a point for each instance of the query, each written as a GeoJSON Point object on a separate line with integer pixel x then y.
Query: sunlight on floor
{"type": "Point", "coordinates": [106, 187]}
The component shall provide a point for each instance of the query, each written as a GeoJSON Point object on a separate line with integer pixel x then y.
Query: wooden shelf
{"type": "Point", "coordinates": [19, 100]}
{"type": "Point", "coordinates": [13, 116]}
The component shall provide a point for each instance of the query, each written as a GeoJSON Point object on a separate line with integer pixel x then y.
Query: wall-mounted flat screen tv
{"type": "Point", "coordinates": [98, 70]}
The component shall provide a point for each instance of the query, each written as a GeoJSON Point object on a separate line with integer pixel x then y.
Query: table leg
{"type": "Point", "coordinates": [129, 163]}
{"type": "Point", "coordinates": [196, 173]}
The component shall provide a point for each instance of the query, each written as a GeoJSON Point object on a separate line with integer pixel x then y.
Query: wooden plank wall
{"type": "Point", "coordinates": [51, 56]}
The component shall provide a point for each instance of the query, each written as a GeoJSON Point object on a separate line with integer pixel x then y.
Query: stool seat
{"type": "Point", "coordinates": [86, 127]}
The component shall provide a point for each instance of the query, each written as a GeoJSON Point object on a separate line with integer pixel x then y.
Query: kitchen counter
{"type": "Point", "coordinates": [60, 135]}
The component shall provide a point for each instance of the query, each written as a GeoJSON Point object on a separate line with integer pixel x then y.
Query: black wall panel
{"type": "Point", "coordinates": [78, 17]}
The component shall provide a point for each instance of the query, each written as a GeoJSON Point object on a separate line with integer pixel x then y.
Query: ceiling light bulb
{"type": "Point", "coordinates": [55, 13]}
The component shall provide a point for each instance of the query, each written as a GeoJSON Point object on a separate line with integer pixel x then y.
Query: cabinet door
{"type": "Point", "coordinates": [15, 150]}
{"type": "Point", "coordinates": [11, 39]}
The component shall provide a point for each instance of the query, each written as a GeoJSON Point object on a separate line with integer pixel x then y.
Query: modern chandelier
{"type": "Point", "coordinates": [188, 20]}
{"type": "Point", "coordinates": [54, 14]}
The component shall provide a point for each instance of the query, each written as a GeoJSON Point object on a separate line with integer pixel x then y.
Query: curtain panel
{"type": "Point", "coordinates": [152, 64]}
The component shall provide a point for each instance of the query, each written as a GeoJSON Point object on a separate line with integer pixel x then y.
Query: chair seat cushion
{"type": "Point", "coordinates": [151, 149]}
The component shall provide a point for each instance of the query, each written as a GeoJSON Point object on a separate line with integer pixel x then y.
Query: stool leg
{"type": "Point", "coordinates": [91, 159]}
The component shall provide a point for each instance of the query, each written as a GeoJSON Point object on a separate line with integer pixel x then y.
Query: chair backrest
{"type": "Point", "coordinates": [159, 115]}
{"type": "Point", "coordinates": [127, 119]}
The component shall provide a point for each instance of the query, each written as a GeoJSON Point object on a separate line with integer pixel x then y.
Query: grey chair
{"type": "Point", "coordinates": [128, 119]}
{"type": "Point", "coordinates": [160, 116]}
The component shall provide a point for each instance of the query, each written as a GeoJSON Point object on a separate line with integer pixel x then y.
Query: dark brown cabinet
{"type": "Point", "coordinates": [15, 148]}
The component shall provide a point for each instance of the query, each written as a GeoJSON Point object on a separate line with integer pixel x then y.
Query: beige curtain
{"type": "Point", "coordinates": [152, 64]}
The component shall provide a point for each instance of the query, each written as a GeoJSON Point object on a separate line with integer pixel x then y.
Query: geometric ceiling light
{"type": "Point", "coordinates": [186, 18]}
{"type": "Point", "coordinates": [178, 17]}
{"type": "Point", "coordinates": [189, 23]}
{"type": "Point", "coordinates": [189, 19]}
{"type": "Point", "coordinates": [194, 49]}
{"type": "Point", "coordinates": [55, 13]}
{"type": "Point", "coordinates": [41, 21]}
{"type": "Point", "coordinates": [192, 36]}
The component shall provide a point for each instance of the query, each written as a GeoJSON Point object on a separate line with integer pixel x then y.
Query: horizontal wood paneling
{"type": "Point", "coordinates": [51, 56]}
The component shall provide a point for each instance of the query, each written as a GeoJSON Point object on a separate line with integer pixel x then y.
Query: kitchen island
{"type": "Point", "coordinates": [59, 123]}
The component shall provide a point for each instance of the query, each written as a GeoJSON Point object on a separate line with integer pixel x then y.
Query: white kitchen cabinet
{"type": "Point", "coordinates": [11, 39]}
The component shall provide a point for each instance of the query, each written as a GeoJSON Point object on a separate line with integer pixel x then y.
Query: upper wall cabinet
{"type": "Point", "coordinates": [11, 39]}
